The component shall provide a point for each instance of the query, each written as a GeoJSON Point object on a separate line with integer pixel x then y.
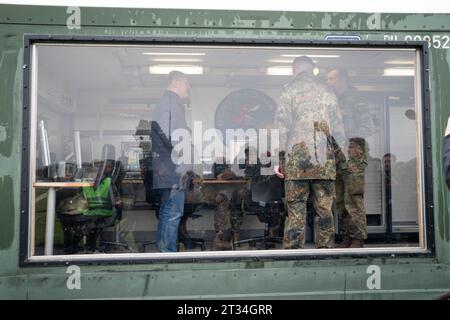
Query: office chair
{"type": "Point", "coordinates": [90, 221]}
{"type": "Point", "coordinates": [183, 237]}
{"type": "Point", "coordinates": [265, 202]}
{"type": "Point", "coordinates": [117, 175]}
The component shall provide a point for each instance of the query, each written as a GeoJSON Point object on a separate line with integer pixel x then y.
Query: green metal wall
{"type": "Point", "coordinates": [337, 279]}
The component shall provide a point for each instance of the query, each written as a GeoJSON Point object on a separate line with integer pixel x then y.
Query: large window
{"type": "Point", "coordinates": [239, 150]}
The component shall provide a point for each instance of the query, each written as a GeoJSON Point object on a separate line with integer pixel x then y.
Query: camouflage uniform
{"type": "Point", "coordinates": [310, 128]}
{"type": "Point", "coordinates": [350, 192]}
{"type": "Point", "coordinates": [350, 176]}
{"type": "Point", "coordinates": [228, 205]}
{"type": "Point", "coordinates": [227, 199]}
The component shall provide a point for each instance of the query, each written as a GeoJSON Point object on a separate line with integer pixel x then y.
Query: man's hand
{"type": "Point", "coordinates": [279, 171]}
{"type": "Point", "coordinates": [322, 126]}
{"type": "Point", "coordinates": [447, 130]}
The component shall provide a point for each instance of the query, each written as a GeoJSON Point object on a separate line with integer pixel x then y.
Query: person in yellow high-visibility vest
{"type": "Point", "coordinates": [101, 197]}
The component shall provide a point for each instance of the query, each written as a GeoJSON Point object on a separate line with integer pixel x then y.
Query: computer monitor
{"type": "Point", "coordinates": [44, 145]}
{"type": "Point", "coordinates": [83, 152]}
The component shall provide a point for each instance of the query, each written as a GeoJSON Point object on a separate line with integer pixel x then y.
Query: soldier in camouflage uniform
{"type": "Point", "coordinates": [310, 128]}
{"type": "Point", "coordinates": [227, 199]}
{"type": "Point", "coordinates": [350, 176]}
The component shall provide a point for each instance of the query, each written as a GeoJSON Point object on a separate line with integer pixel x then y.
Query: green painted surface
{"type": "Point", "coordinates": [338, 279]}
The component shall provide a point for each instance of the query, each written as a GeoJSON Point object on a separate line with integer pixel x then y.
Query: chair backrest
{"type": "Point", "coordinates": [107, 183]}
{"type": "Point", "coordinates": [266, 196]}
{"type": "Point", "coordinates": [266, 189]}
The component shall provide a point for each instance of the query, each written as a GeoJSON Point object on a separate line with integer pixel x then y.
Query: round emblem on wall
{"type": "Point", "coordinates": [245, 109]}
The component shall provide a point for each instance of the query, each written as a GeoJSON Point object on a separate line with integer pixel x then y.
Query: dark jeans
{"type": "Point", "coordinates": [170, 214]}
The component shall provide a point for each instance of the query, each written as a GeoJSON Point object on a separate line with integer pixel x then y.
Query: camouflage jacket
{"type": "Point", "coordinates": [358, 123]}
{"type": "Point", "coordinates": [356, 115]}
{"type": "Point", "coordinates": [310, 127]}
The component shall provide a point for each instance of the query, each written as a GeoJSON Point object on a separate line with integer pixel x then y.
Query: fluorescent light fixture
{"type": "Point", "coordinates": [312, 55]}
{"type": "Point", "coordinates": [403, 62]}
{"type": "Point", "coordinates": [173, 54]}
{"type": "Point", "coordinates": [166, 69]}
{"type": "Point", "coordinates": [393, 72]}
{"type": "Point", "coordinates": [285, 71]}
{"type": "Point", "coordinates": [281, 61]}
{"type": "Point", "coordinates": [279, 71]}
{"type": "Point", "coordinates": [287, 61]}
{"type": "Point", "coordinates": [175, 60]}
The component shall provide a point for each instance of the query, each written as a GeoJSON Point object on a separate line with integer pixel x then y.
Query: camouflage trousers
{"type": "Point", "coordinates": [350, 205]}
{"type": "Point", "coordinates": [228, 208]}
{"type": "Point", "coordinates": [297, 194]}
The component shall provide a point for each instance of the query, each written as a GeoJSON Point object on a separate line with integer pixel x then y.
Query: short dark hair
{"type": "Point", "coordinates": [303, 59]}
{"type": "Point", "coordinates": [175, 75]}
{"type": "Point", "coordinates": [390, 155]}
{"type": "Point", "coordinates": [343, 73]}
{"type": "Point", "coordinates": [360, 142]}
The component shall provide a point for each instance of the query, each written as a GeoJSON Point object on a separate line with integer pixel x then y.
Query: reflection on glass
{"type": "Point", "coordinates": [324, 154]}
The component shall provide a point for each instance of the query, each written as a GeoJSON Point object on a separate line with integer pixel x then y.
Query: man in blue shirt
{"type": "Point", "coordinates": [168, 116]}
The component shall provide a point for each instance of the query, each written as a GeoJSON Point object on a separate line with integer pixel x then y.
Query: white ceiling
{"type": "Point", "coordinates": [117, 76]}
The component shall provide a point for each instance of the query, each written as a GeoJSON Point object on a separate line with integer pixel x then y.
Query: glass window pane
{"type": "Point", "coordinates": [177, 148]}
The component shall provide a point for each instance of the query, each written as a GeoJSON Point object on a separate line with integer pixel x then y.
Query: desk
{"type": "Point", "coordinates": [51, 208]}
{"type": "Point", "coordinates": [230, 181]}
{"type": "Point", "coordinates": [133, 181]}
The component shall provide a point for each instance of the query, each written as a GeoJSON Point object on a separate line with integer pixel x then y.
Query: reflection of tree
{"type": "Point", "coordinates": [405, 193]}
{"type": "Point", "coordinates": [388, 165]}
{"type": "Point", "coordinates": [401, 192]}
